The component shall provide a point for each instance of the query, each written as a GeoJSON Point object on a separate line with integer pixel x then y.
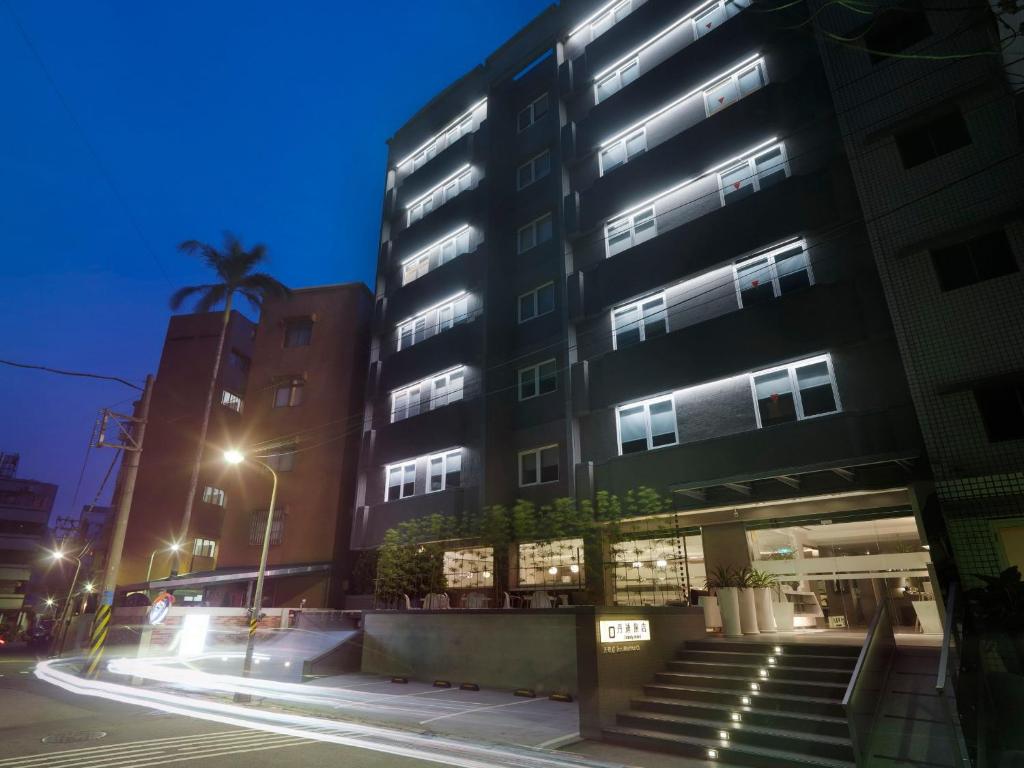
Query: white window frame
{"type": "Point", "coordinates": [734, 78]}
{"type": "Point", "coordinates": [751, 164]}
{"type": "Point", "coordinates": [532, 165]}
{"type": "Point", "coordinates": [536, 453]}
{"type": "Point", "coordinates": [433, 255]}
{"type": "Point", "coordinates": [533, 372]}
{"type": "Point", "coordinates": [616, 75]}
{"type": "Point", "coordinates": [434, 402]}
{"type": "Point", "coordinates": [613, 10]}
{"type": "Point", "coordinates": [407, 393]}
{"type": "Point", "coordinates": [624, 142]}
{"type": "Point", "coordinates": [531, 108]}
{"type": "Point", "coordinates": [535, 226]}
{"type": "Point", "coordinates": [772, 272]}
{"type": "Point", "coordinates": [412, 322]}
{"type": "Point", "coordinates": [462, 180]}
{"type": "Point", "coordinates": [631, 217]}
{"type": "Point", "coordinates": [704, 11]}
{"type": "Point", "coordinates": [646, 405]}
{"type": "Point", "coordinates": [402, 466]}
{"type": "Point", "coordinates": [638, 305]}
{"type": "Point", "coordinates": [440, 324]}
{"type": "Point", "coordinates": [535, 301]}
{"type": "Point", "coordinates": [444, 457]}
{"type": "Point", "coordinates": [200, 544]}
{"type": "Point", "coordinates": [296, 393]}
{"type": "Point", "coordinates": [431, 144]}
{"type": "Point", "coordinates": [214, 495]}
{"type": "Point", "coordinates": [795, 386]}
{"type": "Point", "coordinates": [231, 401]}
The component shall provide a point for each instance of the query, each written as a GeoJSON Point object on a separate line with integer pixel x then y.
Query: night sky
{"type": "Point", "coordinates": [265, 118]}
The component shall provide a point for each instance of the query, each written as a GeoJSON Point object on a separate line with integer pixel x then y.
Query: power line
{"type": "Point", "coordinates": [62, 372]}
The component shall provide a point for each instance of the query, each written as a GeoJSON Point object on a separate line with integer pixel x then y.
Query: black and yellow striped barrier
{"type": "Point", "coordinates": [100, 627]}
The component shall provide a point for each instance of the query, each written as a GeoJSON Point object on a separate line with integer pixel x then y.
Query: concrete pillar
{"type": "Point", "coordinates": [725, 546]}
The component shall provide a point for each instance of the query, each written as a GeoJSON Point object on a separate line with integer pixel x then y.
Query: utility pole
{"type": "Point", "coordinates": [130, 441]}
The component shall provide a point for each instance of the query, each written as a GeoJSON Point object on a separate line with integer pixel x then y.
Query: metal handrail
{"type": "Point", "coordinates": [868, 637]}
{"type": "Point", "coordinates": [947, 637]}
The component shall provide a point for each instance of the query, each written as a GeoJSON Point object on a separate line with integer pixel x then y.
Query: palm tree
{"type": "Point", "coordinates": [233, 266]}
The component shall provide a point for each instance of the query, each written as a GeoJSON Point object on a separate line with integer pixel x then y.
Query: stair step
{"type": "Point", "coordinates": [764, 701]}
{"type": "Point", "coordinates": [729, 753]}
{"type": "Point", "coordinates": [795, 649]}
{"type": "Point", "coordinates": [808, 722]}
{"type": "Point", "coordinates": [742, 683]}
{"type": "Point", "coordinates": [751, 670]}
{"type": "Point", "coordinates": [781, 660]}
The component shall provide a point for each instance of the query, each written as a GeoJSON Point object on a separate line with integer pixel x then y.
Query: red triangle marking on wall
{"type": "Point", "coordinates": [721, 99]}
{"type": "Point", "coordinates": [736, 185]}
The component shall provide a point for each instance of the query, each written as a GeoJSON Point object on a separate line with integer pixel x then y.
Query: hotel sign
{"type": "Point", "coordinates": [625, 631]}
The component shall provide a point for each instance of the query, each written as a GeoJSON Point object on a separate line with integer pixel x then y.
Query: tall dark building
{"type": "Point", "coordinates": [629, 250]}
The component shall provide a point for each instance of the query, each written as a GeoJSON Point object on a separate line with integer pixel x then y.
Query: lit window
{"type": "Point", "coordinates": [538, 380]}
{"type": "Point", "coordinates": [647, 425]}
{"type": "Point", "coordinates": [204, 548]}
{"type": "Point", "coordinates": [533, 234]}
{"type": "Point", "coordinates": [441, 194]}
{"type": "Point", "coordinates": [401, 481]}
{"type": "Point", "coordinates": [298, 332]}
{"type": "Point", "coordinates": [717, 15]}
{"type": "Point", "coordinates": [972, 261]}
{"type": "Point", "coordinates": [615, 81]}
{"type": "Point", "coordinates": [539, 465]}
{"type": "Point", "coordinates": [537, 302]}
{"type": "Point", "coordinates": [769, 275]}
{"type": "Point", "coordinates": [231, 400]}
{"type": "Point", "coordinates": [446, 388]}
{"type": "Point", "coordinates": [435, 255]}
{"type": "Point", "coordinates": [412, 332]}
{"type": "Point", "coordinates": [733, 88]}
{"type": "Point", "coordinates": [216, 496]}
{"type": "Point", "coordinates": [532, 112]}
{"type": "Point", "coordinates": [793, 392]}
{"type": "Point", "coordinates": [405, 403]}
{"type": "Point", "coordinates": [535, 168]}
{"type": "Point", "coordinates": [458, 128]}
{"type": "Point", "coordinates": [753, 174]}
{"type": "Point", "coordinates": [551, 563]}
{"type": "Point", "coordinates": [433, 321]}
{"type": "Point", "coordinates": [622, 151]}
{"type": "Point", "coordinates": [627, 231]}
{"type": "Point", "coordinates": [639, 321]}
{"type": "Point", "coordinates": [282, 458]}
{"type": "Point", "coordinates": [452, 314]}
{"type": "Point", "coordinates": [289, 394]}
{"type": "Point", "coordinates": [445, 471]}
{"type": "Point", "coordinates": [424, 156]}
{"type": "Point", "coordinates": [469, 567]}
{"type": "Point", "coordinates": [606, 20]}
{"type": "Point", "coordinates": [258, 527]}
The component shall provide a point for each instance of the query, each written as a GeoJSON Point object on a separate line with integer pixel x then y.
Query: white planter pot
{"type": "Point", "coordinates": [783, 615]}
{"type": "Point", "coordinates": [748, 613]}
{"type": "Point", "coordinates": [763, 606]}
{"type": "Point", "coordinates": [729, 605]}
{"type": "Point", "coordinates": [712, 615]}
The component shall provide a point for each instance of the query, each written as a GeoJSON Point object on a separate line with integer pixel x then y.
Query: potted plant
{"type": "Point", "coordinates": [762, 584]}
{"type": "Point", "coordinates": [724, 582]}
{"type": "Point", "coordinates": [748, 610]}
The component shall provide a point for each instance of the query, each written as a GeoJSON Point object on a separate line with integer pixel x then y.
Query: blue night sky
{"type": "Point", "coordinates": [265, 118]}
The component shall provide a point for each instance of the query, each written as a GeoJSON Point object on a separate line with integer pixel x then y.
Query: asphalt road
{"type": "Point", "coordinates": [135, 737]}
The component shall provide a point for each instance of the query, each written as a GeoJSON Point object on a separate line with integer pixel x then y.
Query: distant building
{"type": "Point", "coordinates": [25, 507]}
{"type": "Point", "coordinates": [8, 465]}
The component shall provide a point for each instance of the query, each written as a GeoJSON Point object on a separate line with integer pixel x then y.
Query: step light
{"type": "Point", "coordinates": [736, 715]}
{"type": "Point", "coordinates": [712, 754]}
{"type": "Point", "coordinates": [723, 735]}
{"type": "Point", "coordinates": [778, 649]}
{"type": "Point", "coordinates": [745, 701]}
{"type": "Point", "coordinates": [763, 672]}
{"type": "Point", "coordinates": [771, 660]}
{"type": "Point", "coordinates": [755, 687]}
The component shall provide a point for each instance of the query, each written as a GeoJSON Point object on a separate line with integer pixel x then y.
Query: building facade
{"type": "Point", "coordinates": [627, 251]}
{"type": "Point", "coordinates": [25, 507]}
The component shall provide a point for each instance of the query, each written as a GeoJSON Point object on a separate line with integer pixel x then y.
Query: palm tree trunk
{"type": "Point", "coordinates": [193, 482]}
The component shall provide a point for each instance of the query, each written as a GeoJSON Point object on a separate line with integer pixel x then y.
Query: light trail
{"type": "Point", "coordinates": [416, 746]}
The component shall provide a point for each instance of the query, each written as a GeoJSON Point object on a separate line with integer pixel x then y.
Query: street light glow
{"type": "Point", "coordinates": [174, 547]}
{"type": "Point", "coordinates": [233, 456]}
{"type": "Point", "coordinates": [57, 554]}
{"type": "Point", "coordinates": [88, 587]}
{"type": "Point", "coordinates": [49, 602]}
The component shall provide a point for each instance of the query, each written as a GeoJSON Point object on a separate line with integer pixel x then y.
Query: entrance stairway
{"type": "Point", "coordinates": [738, 703]}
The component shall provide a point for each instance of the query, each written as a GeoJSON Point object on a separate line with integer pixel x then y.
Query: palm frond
{"type": "Point", "coordinates": [209, 254]}
{"type": "Point", "coordinates": [254, 298]}
{"type": "Point", "coordinates": [179, 296]}
{"type": "Point", "coordinates": [214, 296]}
{"type": "Point", "coordinates": [266, 285]}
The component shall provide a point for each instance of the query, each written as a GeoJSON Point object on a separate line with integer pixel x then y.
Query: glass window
{"type": "Point", "coordinates": [815, 387]}
{"type": "Point", "coordinates": [617, 80]}
{"type": "Point", "coordinates": [415, 269]}
{"type": "Point", "coordinates": [539, 465]}
{"type": "Point", "coordinates": [405, 403]}
{"type": "Point", "coordinates": [289, 394]}
{"type": "Point", "coordinates": [298, 332]}
{"type": "Point", "coordinates": [258, 527]}
{"type": "Point", "coordinates": [643, 426]}
{"type": "Point", "coordinates": [1002, 411]}
{"type": "Point", "coordinates": [538, 380]}
{"type": "Point", "coordinates": [767, 276]}
{"type": "Point", "coordinates": [537, 302]}
{"type": "Point", "coordinates": [753, 174]}
{"type": "Point", "coordinates": [401, 481]}
{"type": "Point", "coordinates": [534, 233]}
{"type": "Point", "coordinates": [717, 15]}
{"type": "Point", "coordinates": [623, 150]}
{"type": "Point", "coordinates": [204, 548]}
{"type": "Point", "coordinates": [533, 112]}
{"type": "Point", "coordinates": [972, 261]}
{"type": "Point", "coordinates": [627, 231]}
{"type": "Point", "coordinates": [552, 563]}
{"type": "Point", "coordinates": [231, 400]}
{"type": "Point", "coordinates": [533, 169]}
{"type": "Point", "coordinates": [470, 567]}
{"type": "Point", "coordinates": [445, 471]}
{"type": "Point", "coordinates": [774, 394]}
{"type": "Point", "coordinates": [604, 22]}
{"type": "Point", "coordinates": [798, 391]}
{"type": "Point", "coordinates": [733, 88]}
{"type": "Point", "coordinates": [213, 495]}
{"type": "Point", "coordinates": [639, 321]}
{"type": "Point", "coordinates": [446, 389]}
{"type": "Point", "coordinates": [282, 459]}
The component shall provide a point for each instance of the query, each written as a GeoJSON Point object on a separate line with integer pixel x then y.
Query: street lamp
{"type": "Point", "coordinates": [65, 615]}
{"type": "Point", "coordinates": [236, 457]}
{"type": "Point", "coordinates": [175, 548]}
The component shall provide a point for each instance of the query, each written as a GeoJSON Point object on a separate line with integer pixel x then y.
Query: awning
{"type": "Point", "coordinates": [209, 578]}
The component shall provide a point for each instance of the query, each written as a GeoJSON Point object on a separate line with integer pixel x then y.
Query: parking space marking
{"type": "Point", "coordinates": [480, 709]}
{"type": "Point", "coordinates": [559, 741]}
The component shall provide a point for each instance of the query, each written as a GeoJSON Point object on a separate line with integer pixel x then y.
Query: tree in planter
{"type": "Point", "coordinates": [411, 558]}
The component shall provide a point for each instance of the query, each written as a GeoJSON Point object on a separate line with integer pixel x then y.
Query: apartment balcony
{"type": "Point", "coordinates": [463, 273]}
{"type": "Point", "coordinates": [441, 166]}
{"type": "Point", "coordinates": [452, 425]}
{"type": "Point", "coordinates": [464, 207]}
{"type": "Point", "coordinates": [459, 345]}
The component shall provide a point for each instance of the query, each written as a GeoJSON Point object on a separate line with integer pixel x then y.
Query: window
{"type": "Point", "coordinates": [424, 156]}
{"type": "Point", "coordinates": [405, 403]}
{"type": "Point", "coordinates": [469, 567]}
{"type": "Point", "coordinates": [412, 332]}
{"type": "Point", "coordinates": [258, 527]}
{"type": "Point", "coordinates": [441, 194]}
{"type": "Point", "coordinates": [753, 174]}
{"type": "Point", "coordinates": [459, 130]}
{"type": "Point", "coordinates": [401, 481]}
{"type": "Point", "coordinates": [977, 259]}
{"type": "Point", "coordinates": [622, 151]}
{"type": "Point", "coordinates": [639, 321]}
{"type": "Point", "coordinates": [446, 388]}
{"type": "Point", "coordinates": [553, 563]}
{"type": "Point", "coordinates": [647, 425]}
{"type": "Point", "coordinates": [615, 81]}
{"type": "Point", "coordinates": [769, 275]}
{"type": "Point", "coordinates": [533, 234]}
{"type": "Point", "coordinates": [539, 465]}
{"type": "Point", "coordinates": [606, 20]}
{"type": "Point", "coordinates": [626, 231]}
{"type": "Point", "coordinates": [239, 361]}
{"type": "Point", "coordinates": [538, 380]}
{"type": "Point", "coordinates": [231, 400]}
{"type": "Point", "coordinates": [204, 548]}
{"type": "Point", "coordinates": [435, 255]}
{"type": "Point", "coordinates": [216, 496]}
{"type": "Point", "coordinates": [717, 15]}
{"type": "Point", "coordinates": [532, 112]}
{"type": "Point", "coordinates": [289, 394]}
{"type": "Point", "coordinates": [733, 88]}
{"type": "Point", "coordinates": [1002, 411]}
{"type": "Point", "coordinates": [794, 392]}
{"type": "Point", "coordinates": [282, 458]}
{"type": "Point", "coordinates": [448, 315]}
{"type": "Point", "coordinates": [934, 139]}
{"type": "Point", "coordinates": [535, 168]}
{"type": "Point", "coordinates": [298, 332]}
{"type": "Point", "coordinates": [895, 29]}
{"type": "Point", "coordinates": [537, 302]}
{"type": "Point", "coordinates": [445, 471]}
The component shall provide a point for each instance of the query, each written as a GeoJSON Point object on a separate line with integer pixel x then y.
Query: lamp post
{"type": "Point", "coordinates": [237, 457]}
{"type": "Point", "coordinates": [175, 548]}
{"type": "Point", "coordinates": [65, 618]}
